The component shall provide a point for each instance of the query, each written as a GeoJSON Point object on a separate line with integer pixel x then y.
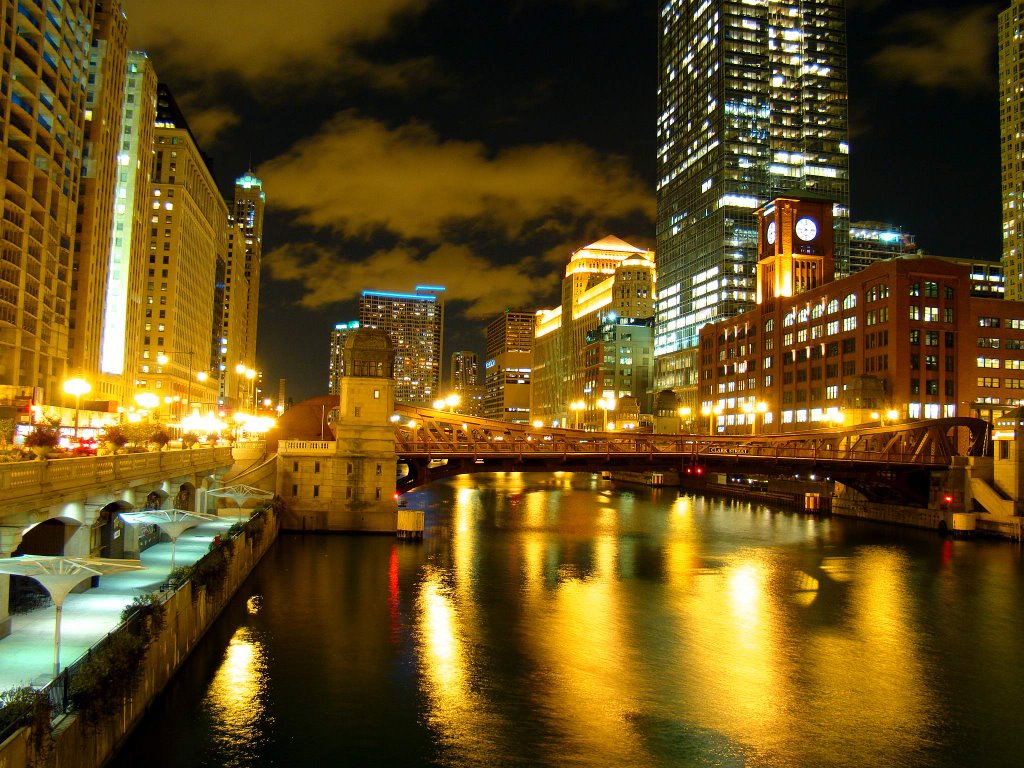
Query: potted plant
{"type": "Point", "coordinates": [189, 439]}
{"type": "Point", "coordinates": [42, 439]}
{"type": "Point", "coordinates": [159, 437]}
{"type": "Point", "coordinates": [115, 438]}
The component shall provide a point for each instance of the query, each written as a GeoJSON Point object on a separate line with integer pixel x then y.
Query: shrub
{"type": "Point", "coordinates": [152, 615]}
{"type": "Point", "coordinates": [108, 676]}
{"type": "Point", "coordinates": [42, 436]}
{"type": "Point", "coordinates": [189, 439]}
{"type": "Point", "coordinates": [30, 707]}
{"type": "Point", "coordinates": [159, 436]}
{"type": "Point", "coordinates": [115, 435]}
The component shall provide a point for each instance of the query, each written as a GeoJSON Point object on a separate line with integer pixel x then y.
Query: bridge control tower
{"type": "Point", "coordinates": [348, 484]}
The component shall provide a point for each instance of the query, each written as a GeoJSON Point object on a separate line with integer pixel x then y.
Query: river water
{"type": "Point", "coordinates": [562, 620]}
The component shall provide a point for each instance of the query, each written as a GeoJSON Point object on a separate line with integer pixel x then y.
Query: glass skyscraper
{"type": "Point", "coordinates": [752, 103]}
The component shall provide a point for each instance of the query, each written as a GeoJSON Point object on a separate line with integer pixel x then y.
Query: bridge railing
{"type": "Point", "coordinates": [29, 478]}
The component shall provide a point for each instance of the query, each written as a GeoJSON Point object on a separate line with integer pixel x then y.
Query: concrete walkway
{"type": "Point", "coordinates": [26, 655]}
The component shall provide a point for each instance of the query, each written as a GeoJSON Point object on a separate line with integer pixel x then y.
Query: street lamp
{"type": "Point", "coordinates": [684, 415]}
{"type": "Point", "coordinates": [605, 404]}
{"type": "Point", "coordinates": [711, 412]}
{"type": "Point", "coordinates": [576, 406]}
{"type": "Point", "coordinates": [77, 387]}
{"type": "Point", "coordinates": [752, 410]}
{"type": "Point", "coordinates": [453, 401]}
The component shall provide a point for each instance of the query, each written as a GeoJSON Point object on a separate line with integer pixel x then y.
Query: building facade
{"type": "Point", "coordinates": [903, 335]}
{"type": "Point", "coordinates": [336, 370]}
{"type": "Point", "coordinates": [1010, 34]}
{"type": "Point", "coordinates": [607, 294]}
{"type": "Point", "coordinates": [187, 251]}
{"type": "Point", "coordinates": [43, 97]}
{"type": "Point", "coordinates": [508, 367]}
{"type": "Point", "coordinates": [105, 97]}
{"type": "Point", "coordinates": [414, 322]}
{"type": "Point", "coordinates": [752, 102]}
{"type": "Point", "coordinates": [236, 335]}
{"type": "Point", "coordinates": [465, 383]}
{"type": "Point", "coordinates": [874, 240]}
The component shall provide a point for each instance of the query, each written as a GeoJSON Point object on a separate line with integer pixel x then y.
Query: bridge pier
{"type": "Point", "coordinates": [348, 484]}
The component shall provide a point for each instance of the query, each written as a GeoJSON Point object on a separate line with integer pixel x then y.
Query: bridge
{"type": "Point", "coordinates": [892, 462]}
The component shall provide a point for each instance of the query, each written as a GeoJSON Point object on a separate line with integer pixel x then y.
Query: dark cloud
{"type": "Point", "coordinates": [940, 49]}
{"type": "Point", "coordinates": [358, 176]}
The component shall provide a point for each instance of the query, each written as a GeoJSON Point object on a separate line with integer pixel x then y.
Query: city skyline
{"type": "Point", "coordinates": [566, 153]}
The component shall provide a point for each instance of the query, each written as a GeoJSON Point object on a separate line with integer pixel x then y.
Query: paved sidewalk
{"type": "Point", "coordinates": [26, 655]}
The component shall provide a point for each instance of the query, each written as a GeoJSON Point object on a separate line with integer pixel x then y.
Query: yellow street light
{"type": "Point", "coordinates": [711, 412]}
{"type": "Point", "coordinates": [453, 401]}
{"type": "Point", "coordinates": [537, 423]}
{"type": "Point", "coordinates": [77, 387]}
{"type": "Point", "coordinates": [605, 404]}
{"type": "Point", "coordinates": [577, 406]}
{"type": "Point", "coordinates": [439, 405]}
{"type": "Point", "coordinates": [147, 400]}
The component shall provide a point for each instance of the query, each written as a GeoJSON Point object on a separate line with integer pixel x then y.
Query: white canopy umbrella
{"type": "Point", "coordinates": [240, 494]}
{"type": "Point", "coordinates": [59, 575]}
{"type": "Point", "coordinates": [173, 522]}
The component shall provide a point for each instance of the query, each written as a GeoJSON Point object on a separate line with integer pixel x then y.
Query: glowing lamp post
{"type": "Point", "coordinates": [577, 407]}
{"type": "Point", "coordinates": [77, 387]}
{"type": "Point", "coordinates": [684, 416]}
{"type": "Point", "coordinates": [711, 412]}
{"type": "Point", "coordinates": [605, 404]}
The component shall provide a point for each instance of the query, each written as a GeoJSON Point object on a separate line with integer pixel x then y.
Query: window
{"type": "Point", "coordinates": [832, 392]}
{"type": "Point", "coordinates": [988, 322]}
{"type": "Point", "coordinates": [931, 338]}
{"type": "Point", "coordinates": [931, 314]}
{"type": "Point", "coordinates": [833, 306]}
{"type": "Point", "coordinates": [316, 491]}
{"type": "Point", "coordinates": [931, 387]}
{"type": "Point", "coordinates": [915, 289]}
{"type": "Point", "coordinates": [990, 343]}
{"type": "Point", "coordinates": [950, 339]}
{"type": "Point", "coordinates": [295, 490]}
{"type": "Point", "coordinates": [803, 315]}
{"type": "Point", "coordinates": [789, 319]}
{"type": "Point", "coordinates": [849, 345]}
{"type": "Point", "coordinates": [380, 469]}
{"type": "Point", "coordinates": [989, 362]}
{"type": "Point", "coordinates": [849, 323]}
{"type": "Point", "coordinates": [915, 337]}
{"type": "Point", "coordinates": [948, 291]}
{"type": "Point", "coordinates": [295, 466]}
{"type": "Point", "coordinates": [801, 335]}
{"type": "Point", "coordinates": [850, 301]}
{"type": "Point", "coordinates": [817, 310]}
{"type": "Point", "coordinates": [833, 327]}
{"type": "Point", "coordinates": [316, 466]}
{"type": "Point", "coordinates": [988, 382]}
{"type": "Point", "coordinates": [915, 313]}
{"type": "Point", "coordinates": [931, 362]}
{"type": "Point", "coordinates": [849, 368]}
{"type": "Point", "coordinates": [769, 326]}
{"type": "Point", "coordinates": [931, 289]}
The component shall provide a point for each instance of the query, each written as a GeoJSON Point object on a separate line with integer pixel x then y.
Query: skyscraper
{"type": "Point", "coordinates": [606, 312]}
{"type": "Point", "coordinates": [100, 171]}
{"type": "Point", "coordinates": [187, 249]}
{"type": "Point", "coordinates": [414, 322]}
{"type": "Point", "coordinates": [1011, 131]}
{"type": "Point", "coordinates": [237, 332]}
{"type": "Point", "coordinates": [43, 92]}
{"type": "Point", "coordinates": [339, 333]}
{"type": "Point", "coordinates": [752, 102]}
{"type": "Point", "coordinates": [508, 365]}
{"type": "Point", "coordinates": [121, 338]}
{"type": "Point", "coordinates": [465, 382]}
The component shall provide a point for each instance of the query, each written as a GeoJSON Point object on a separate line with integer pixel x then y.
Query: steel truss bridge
{"type": "Point", "coordinates": [893, 463]}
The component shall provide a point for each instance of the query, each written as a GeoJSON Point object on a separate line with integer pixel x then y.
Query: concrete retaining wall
{"type": "Point", "coordinates": [76, 746]}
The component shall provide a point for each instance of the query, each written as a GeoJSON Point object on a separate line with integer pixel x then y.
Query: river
{"type": "Point", "coordinates": [562, 620]}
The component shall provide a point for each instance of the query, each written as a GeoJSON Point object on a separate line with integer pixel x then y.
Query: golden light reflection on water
{"type": "Point", "coordinates": [236, 700]}
{"type": "Point", "coordinates": [740, 649]}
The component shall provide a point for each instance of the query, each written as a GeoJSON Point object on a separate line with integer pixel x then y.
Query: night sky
{"type": "Point", "coordinates": [475, 144]}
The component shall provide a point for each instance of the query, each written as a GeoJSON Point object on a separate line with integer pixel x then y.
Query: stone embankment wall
{"type": "Point", "coordinates": [73, 744]}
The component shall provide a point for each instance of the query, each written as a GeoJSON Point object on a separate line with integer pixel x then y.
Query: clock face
{"type": "Point", "coordinates": [770, 233]}
{"type": "Point", "coordinates": [806, 229]}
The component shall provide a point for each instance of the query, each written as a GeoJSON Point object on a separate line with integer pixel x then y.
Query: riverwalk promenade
{"type": "Point", "coordinates": [26, 655]}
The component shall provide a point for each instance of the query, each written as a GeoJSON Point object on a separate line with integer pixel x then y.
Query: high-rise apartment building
{"type": "Point", "coordinates": [104, 101]}
{"type": "Point", "coordinates": [465, 383]}
{"type": "Point", "coordinates": [128, 243]}
{"type": "Point", "coordinates": [873, 240]}
{"type": "Point", "coordinates": [752, 103]}
{"type": "Point", "coordinates": [508, 367]}
{"type": "Point", "coordinates": [43, 96]}
{"type": "Point", "coordinates": [414, 322]}
{"type": "Point", "coordinates": [187, 247]}
{"type": "Point", "coordinates": [339, 333]}
{"type": "Point", "coordinates": [606, 312]}
{"type": "Point", "coordinates": [1011, 134]}
{"type": "Point", "coordinates": [237, 335]}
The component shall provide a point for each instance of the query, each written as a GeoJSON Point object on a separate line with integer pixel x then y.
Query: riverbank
{"type": "Point", "coordinates": [188, 612]}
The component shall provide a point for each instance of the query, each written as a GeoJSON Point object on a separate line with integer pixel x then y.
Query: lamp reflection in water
{"type": "Point", "coordinates": [236, 699]}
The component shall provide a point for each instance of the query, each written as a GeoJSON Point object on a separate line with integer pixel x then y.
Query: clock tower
{"type": "Point", "coordinates": [795, 251]}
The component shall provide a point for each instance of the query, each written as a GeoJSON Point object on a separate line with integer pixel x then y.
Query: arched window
{"type": "Point", "coordinates": [850, 301]}
{"type": "Point", "coordinates": [789, 319]}
{"type": "Point", "coordinates": [833, 306]}
{"type": "Point", "coordinates": [817, 310]}
{"type": "Point", "coordinates": [803, 315]}
{"type": "Point", "coordinates": [769, 326]}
